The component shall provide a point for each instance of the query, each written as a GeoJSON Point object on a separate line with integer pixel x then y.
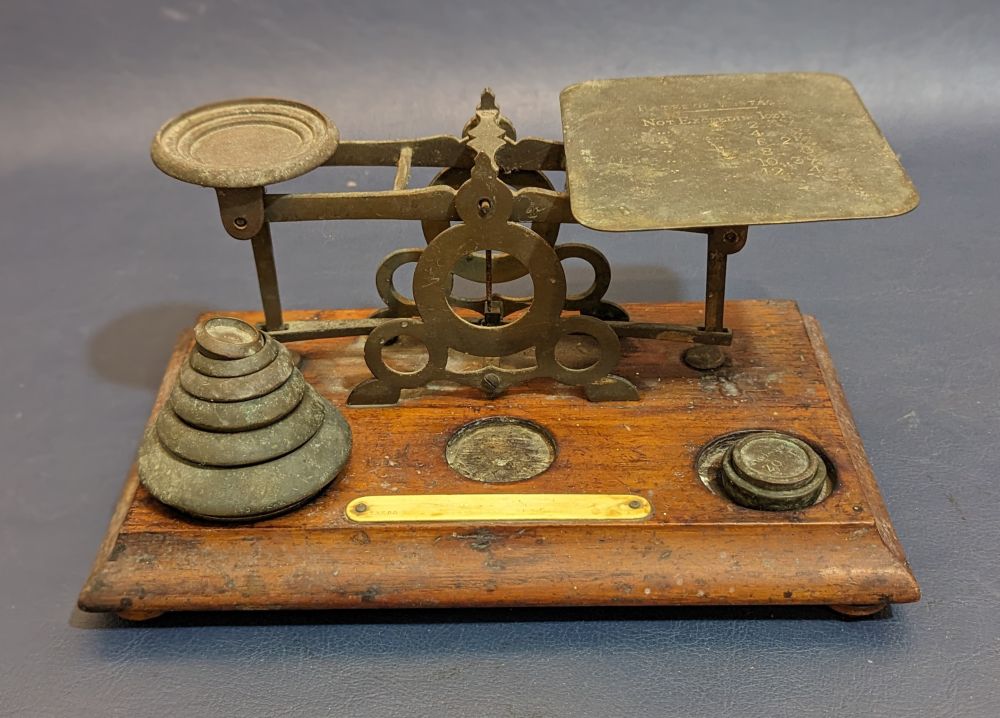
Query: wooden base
{"type": "Point", "coordinates": [697, 547]}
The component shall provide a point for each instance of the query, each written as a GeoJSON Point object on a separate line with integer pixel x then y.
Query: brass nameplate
{"type": "Point", "coordinates": [726, 150]}
{"type": "Point", "coordinates": [498, 507]}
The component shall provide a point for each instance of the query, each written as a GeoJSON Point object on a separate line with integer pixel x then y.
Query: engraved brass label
{"type": "Point", "coordinates": [498, 507]}
{"type": "Point", "coordinates": [726, 150]}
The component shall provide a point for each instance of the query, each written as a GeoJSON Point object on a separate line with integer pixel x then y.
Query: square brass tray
{"type": "Point", "coordinates": [726, 150]}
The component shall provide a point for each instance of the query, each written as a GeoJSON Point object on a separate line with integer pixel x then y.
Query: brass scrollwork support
{"type": "Point", "coordinates": [484, 203]}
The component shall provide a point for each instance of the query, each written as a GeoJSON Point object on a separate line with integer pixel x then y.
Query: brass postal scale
{"type": "Point", "coordinates": [489, 448]}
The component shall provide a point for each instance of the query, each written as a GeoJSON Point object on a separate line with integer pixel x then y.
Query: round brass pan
{"type": "Point", "coordinates": [244, 143]}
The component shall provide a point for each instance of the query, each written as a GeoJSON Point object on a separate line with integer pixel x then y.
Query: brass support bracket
{"type": "Point", "coordinates": [267, 278]}
{"type": "Point", "coordinates": [722, 241]}
{"type": "Point", "coordinates": [310, 329]}
{"type": "Point", "coordinates": [243, 217]}
{"type": "Point", "coordinates": [485, 202]}
{"type": "Point", "coordinates": [241, 211]}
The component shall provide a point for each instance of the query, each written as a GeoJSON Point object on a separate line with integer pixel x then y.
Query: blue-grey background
{"type": "Point", "coordinates": [104, 260]}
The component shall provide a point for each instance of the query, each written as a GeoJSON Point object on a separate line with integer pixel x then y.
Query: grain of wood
{"type": "Point", "coordinates": [697, 548]}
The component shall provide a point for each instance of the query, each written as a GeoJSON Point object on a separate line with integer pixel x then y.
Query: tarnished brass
{"type": "Point", "coordinates": [773, 471]}
{"type": "Point", "coordinates": [244, 143]}
{"type": "Point", "coordinates": [726, 150]}
{"type": "Point", "coordinates": [239, 415]}
{"type": "Point", "coordinates": [590, 301]}
{"type": "Point", "coordinates": [398, 304]}
{"type": "Point", "coordinates": [251, 449]}
{"type": "Point", "coordinates": [246, 493]}
{"type": "Point", "coordinates": [228, 338]}
{"type": "Point", "coordinates": [248, 446]}
{"type": "Point", "coordinates": [241, 211]}
{"type": "Point", "coordinates": [500, 450]}
{"type": "Point", "coordinates": [484, 203]}
{"type": "Point", "coordinates": [473, 267]}
{"type": "Point", "coordinates": [410, 508]}
{"type": "Point", "coordinates": [246, 209]}
{"type": "Point", "coordinates": [704, 154]}
{"type": "Point", "coordinates": [239, 388]}
{"type": "Point", "coordinates": [227, 368]}
{"type": "Point", "coordinates": [765, 470]}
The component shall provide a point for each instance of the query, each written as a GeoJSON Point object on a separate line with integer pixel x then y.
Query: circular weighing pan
{"type": "Point", "coordinates": [244, 143]}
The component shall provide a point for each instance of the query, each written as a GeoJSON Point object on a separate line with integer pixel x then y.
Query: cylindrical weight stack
{"type": "Point", "coordinates": [773, 471]}
{"type": "Point", "coordinates": [242, 436]}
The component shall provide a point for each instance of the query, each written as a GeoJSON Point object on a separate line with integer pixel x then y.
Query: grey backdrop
{"type": "Point", "coordinates": [105, 260]}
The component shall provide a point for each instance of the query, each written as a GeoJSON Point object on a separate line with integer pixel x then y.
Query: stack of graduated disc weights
{"type": "Point", "coordinates": [242, 436]}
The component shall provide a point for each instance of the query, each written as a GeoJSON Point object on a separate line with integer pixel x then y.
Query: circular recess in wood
{"type": "Point", "coordinates": [744, 467]}
{"type": "Point", "coordinates": [500, 450]}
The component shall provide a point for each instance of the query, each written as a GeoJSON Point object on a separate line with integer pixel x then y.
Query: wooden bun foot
{"type": "Point", "coordinates": [858, 611]}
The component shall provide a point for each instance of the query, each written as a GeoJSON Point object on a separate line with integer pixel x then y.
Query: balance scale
{"type": "Point", "coordinates": [550, 449]}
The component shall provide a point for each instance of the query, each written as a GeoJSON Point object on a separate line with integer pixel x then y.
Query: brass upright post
{"type": "Point", "coordinates": [267, 278]}
{"type": "Point", "coordinates": [242, 212]}
{"type": "Point", "coordinates": [722, 241]}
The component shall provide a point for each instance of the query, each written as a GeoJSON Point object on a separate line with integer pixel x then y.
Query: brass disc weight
{"type": "Point", "coordinates": [247, 492]}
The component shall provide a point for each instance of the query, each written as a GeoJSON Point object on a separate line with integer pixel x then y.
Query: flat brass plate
{"type": "Point", "coordinates": [498, 507]}
{"type": "Point", "coordinates": [726, 150]}
{"type": "Point", "coordinates": [244, 143]}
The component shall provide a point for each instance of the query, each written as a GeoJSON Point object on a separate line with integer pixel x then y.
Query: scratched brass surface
{"type": "Point", "coordinates": [726, 150]}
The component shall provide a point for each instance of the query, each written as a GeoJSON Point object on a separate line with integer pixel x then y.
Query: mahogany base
{"type": "Point", "coordinates": [697, 547]}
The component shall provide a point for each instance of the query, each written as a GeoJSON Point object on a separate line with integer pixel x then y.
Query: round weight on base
{"type": "Point", "coordinates": [776, 461]}
{"type": "Point", "coordinates": [238, 388]}
{"type": "Point", "coordinates": [771, 471]}
{"type": "Point", "coordinates": [240, 448]}
{"type": "Point", "coordinates": [227, 368]}
{"type": "Point", "coordinates": [239, 415]}
{"type": "Point", "coordinates": [228, 338]}
{"type": "Point", "coordinates": [244, 143]}
{"type": "Point", "coordinates": [500, 450]}
{"type": "Point", "coordinates": [248, 492]}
